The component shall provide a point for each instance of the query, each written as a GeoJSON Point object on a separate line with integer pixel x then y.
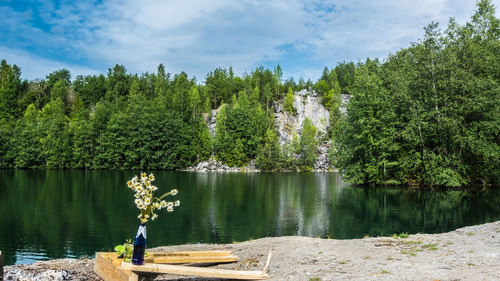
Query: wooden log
{"type": "Point", "coordinates": [107, 266]}
{"type": "Point", "coordinates": [196, 271]}
{"type": "Point", "coordinates": [1, 266]}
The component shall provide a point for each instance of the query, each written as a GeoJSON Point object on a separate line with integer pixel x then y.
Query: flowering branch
{"type": "Point", "coordinates": [144, 199]}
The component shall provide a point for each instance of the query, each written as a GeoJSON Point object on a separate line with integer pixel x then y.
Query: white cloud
{"type": "Point", "coordinates": [34, 67]}
{"type": "Point", "coordinates": [197, 36]}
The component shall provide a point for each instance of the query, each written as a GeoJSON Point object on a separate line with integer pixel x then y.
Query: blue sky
{"type": "Point", "coordinates": [88, 37]}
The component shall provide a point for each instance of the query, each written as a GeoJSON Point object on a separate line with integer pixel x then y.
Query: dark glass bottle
{"type": "Point", "coordinates": [139, 246]}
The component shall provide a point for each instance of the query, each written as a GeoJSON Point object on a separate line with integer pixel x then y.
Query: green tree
{"type": "Point", "coordinates": [288, 104]}
{"type": "Point", "coordinates": [80, 136]}
{"type": "Point", "coordinates": [25, 149]}
{"type": "Point", "coordinates": [10, 90]}
{"type": "Point", "coordinates": [90, 89]}
{"type": "Point", "coordinates": [217, 84]}
{"type": "Point", "coordinates": [53, 130]}
{"type": "Point", "coordinates": [269, 155]}
{"type": "Point", "coordinates": [308, 145]}
{"type": "Point", "coordinates": [117, 83]}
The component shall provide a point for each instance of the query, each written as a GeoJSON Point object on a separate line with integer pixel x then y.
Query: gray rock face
{"type": "Point", "coordinates": [308, 105]}
{"type": "Point", "coordinates": [211, 121]}
{"type": "Point", "coordinates": [343, 104]}
{"type": "Point", "coordinates": [323, 161]}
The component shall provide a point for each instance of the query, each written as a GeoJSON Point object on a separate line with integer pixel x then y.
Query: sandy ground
{"type": "Point", "coordinates": [470, 253]}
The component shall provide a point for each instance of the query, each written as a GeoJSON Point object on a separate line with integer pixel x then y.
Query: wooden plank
{"type": "Point", "coordinates": [1, 266]}
{"type": "Point", "coordinates": [196, 271]}
{"type": "Point", "coordinates": [195, 259]}
{"type": "Point", "coordinates": [107, 266]}
{"type": "Point", "coordinates": [191, 253]}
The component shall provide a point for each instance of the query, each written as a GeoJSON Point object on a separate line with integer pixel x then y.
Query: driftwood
{"type": "Point", "coordinates": [112, 268]}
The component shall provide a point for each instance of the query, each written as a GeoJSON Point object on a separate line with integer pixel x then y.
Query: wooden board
{"type": "Point", "coordinates": [196, 271]}
{"type": "Point", "coordinates": [190, 257]}
{"type": "Point", "coordinates": [107, 266]}
{"type": "Point", "coordinates": [112, 268]}
{"type": "Point", "coordinates": [191, 253]}
{"type": "Point", "coordinates": [207, 259]}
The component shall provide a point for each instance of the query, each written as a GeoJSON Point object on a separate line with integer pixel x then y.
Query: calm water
{"type": "Point", "coordinates": [53, 214]}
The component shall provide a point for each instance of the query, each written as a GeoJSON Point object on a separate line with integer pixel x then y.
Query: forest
{"type": "Point", "coordinates": [426, 115]}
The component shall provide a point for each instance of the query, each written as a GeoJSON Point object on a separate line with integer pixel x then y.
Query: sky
{"type": "Point", "coordinates": [197, 36]}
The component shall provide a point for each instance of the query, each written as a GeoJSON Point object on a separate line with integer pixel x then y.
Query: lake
{"type": "Point", "coordinates": [47, 214]}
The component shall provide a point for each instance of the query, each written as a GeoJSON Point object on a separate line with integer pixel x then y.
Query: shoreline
{"type": "Point", "coordinates": [468, 253]}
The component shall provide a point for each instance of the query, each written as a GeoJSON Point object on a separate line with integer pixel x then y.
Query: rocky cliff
{"type": "Point", "coordinates": [307, 104]}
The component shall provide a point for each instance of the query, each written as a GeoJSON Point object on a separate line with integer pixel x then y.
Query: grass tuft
{"type": "Point", "coordinates": [411, 253]}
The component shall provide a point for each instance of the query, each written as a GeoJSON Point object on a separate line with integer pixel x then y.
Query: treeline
{"type": "Point", "coordinates": [429, 114]}
{"type": "Point", "coordinates": [154, 120]}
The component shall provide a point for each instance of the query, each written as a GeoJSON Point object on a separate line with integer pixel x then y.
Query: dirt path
{"type": "Point", "coordinates": [470, 253]}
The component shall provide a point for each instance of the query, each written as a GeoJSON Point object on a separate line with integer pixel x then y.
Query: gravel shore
{"type": "Point", "coordinates": [469, 253]}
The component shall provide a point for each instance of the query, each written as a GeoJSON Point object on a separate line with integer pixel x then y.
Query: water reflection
{"type": "Point", "coordinates": [48, 214]}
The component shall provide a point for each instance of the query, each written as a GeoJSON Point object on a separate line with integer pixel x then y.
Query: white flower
{"type": "Point", "coordinates": [145, 199]}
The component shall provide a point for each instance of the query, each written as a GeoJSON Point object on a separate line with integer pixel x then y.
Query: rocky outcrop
{"type": "Point", "coordinates": [211, 120]}
{"type": "Point", "coordinates": [343, 103]}
{"type": "Point", "coordinates": [323, 161]}
{"type": "Point", "coordinates": [217, 166]}
{"type": "Point", "coordinates": [307, 105]}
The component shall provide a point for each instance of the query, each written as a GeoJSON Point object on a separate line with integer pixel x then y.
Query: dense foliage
{"type": "Point", "coordinates": [121, 120]}
{"type": "Point", "coordinates": [430, 114]}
